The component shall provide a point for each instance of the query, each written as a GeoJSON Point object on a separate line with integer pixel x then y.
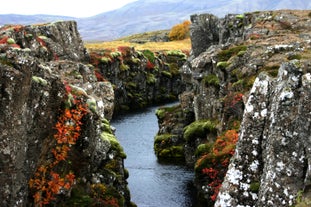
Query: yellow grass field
{"type": "Point", "coordinates": [184, 45]}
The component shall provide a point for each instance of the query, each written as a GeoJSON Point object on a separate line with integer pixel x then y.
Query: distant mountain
{"type": "Point", "coordinates": [148, 15]}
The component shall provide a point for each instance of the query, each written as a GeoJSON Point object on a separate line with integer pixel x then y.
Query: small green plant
{"type": "Point", "coordinates": [149, 55]}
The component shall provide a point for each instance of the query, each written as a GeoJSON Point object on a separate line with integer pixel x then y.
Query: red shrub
{"type": "Point", "coordinates": [4, 40]}
{"type": "Point", "coordinates": [149, 65]}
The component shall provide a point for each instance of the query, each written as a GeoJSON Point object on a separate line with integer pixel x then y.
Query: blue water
{"type": "Point", "coordinates": [151, 183]}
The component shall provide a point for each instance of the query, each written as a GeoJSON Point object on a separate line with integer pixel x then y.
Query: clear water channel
{"type": "Point", "coordinates": [151, 183]}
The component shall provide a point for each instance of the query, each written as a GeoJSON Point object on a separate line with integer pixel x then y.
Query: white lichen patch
{"type": "Point", "coordinates": [254, 165]}
{"type": "Point", "coordinates": [306, 79]}
{"type": "Point", "coordinates": [286, 95]}
{"type": "Point", "coordinates": [224, 200]}
{"type": "Point", "coordinates": [254, 196]}
{"type": "Point", "coordinates": [249, 107]}
{"type": "Point", "coordinates": [246, 194]}
{"type": "Point", "coordinates": [255, 141]}
{"type": "Point", "coordinates": [244, 186]}
{"type": "Point", "coordinates": [254, 152]}
{"type": "Point", "coordinates": [302, 159]}
{"type": "Point", "coordinates": [234, 176]}
{"type": "Point", "coordinates": [280, 166]}
{"type": "Point", "coordinates": [100, 104]}
{"type": "Point", "coordinates": [277, 185]}
{"type": "Point", "coordinates": [264, 112]}
{"type": "Point", "coordinates": [288, 172]}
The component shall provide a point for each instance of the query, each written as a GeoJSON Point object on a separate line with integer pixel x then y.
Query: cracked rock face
{"type": "Point", "coordinates": [36, 63]}
{"type": "Point", "coordinates": [272, 159]}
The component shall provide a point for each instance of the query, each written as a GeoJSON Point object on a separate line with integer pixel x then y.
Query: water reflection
{"type": "Point", "coordinates": [152, 183]}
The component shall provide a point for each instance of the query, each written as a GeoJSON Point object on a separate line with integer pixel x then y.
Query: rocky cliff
{"type": "Point", "coordinates": [247, 81]}
{"type": "Point", "coordinates": [57, 146]}
{"type": "Point", "coordinates": [139, 78]}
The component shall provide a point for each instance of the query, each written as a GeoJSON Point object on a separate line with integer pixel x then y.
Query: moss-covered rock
{"type": "Point", "coordinates": [199, 129]}
{"type": "Point", "coordinates": [225, 55]}
{"type": "Point", "coordinates": [211, 80]}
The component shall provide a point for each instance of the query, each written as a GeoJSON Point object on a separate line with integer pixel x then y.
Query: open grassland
{"type": "Point", "coordinates": [183, 45]}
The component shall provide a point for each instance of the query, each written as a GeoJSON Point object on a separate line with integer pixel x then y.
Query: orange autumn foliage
{"type": "Point", "coordinates": [47, 183]}
{"type": "Point", "coordinates": [218, 160]}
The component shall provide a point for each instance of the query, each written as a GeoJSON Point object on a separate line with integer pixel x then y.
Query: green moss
{"type": "Point", "coordinates": [39, 80]}
{"type": "Point", "coordinates": [199, 129]}
{"type": "Point", "coordinates": [249, 81]}
{"type": "Point", "coordinates": [203, 149]}
{"type": "Point", "coordinates": [11, 41]}
{"type": "Point", "coordinates": [135, 60]}
{"type": "Point", "coordinates": [149, 55]}
{"type": "Point", "coordinates": [239, 85]}
{"type": "Point", "coordinates": [174, 69]}
{"type": "Point", "coordinates": [78, 91]}
{"type": "Point", "coordinates": [124, 107]}
{"type": "Point", "coordinates": [105, 60]}
{"type": "Point", "coordinates": [151, 79]}
{"type": "Point", "coordinates": [294, 56]}
{"type": "Point", "coordinates": [105, 126]}
{"type": "Point", "coordinates": [115, 145]}
{"type": "Point", "coordinates": [172, 152]}
{"type": "Point", "coordinates": [131, 84]}
{"type": "Point", "coordinates": [222, 65]}
{"type": "Point", "coordinates": [102, 193]}
{"type": "Point", "coordinates": [164, 146]}
{"type": "Point", "coordinates": [177, 53]}
{"type": "Point", "coordinates": [241, 53]}
{"type": "Point", "coordinates": [124, 67]}
{"type": "Point", "coordinates": [162, 137]}
{"type": "Point", "coordinates": [161, 112]}
{"type": "Point", "coordinates": [225, 55]}
{"type": "Point", "coordinates": [272, 70]}
{"type": "Point", "coordinates": [78, 197]}
{"type": "Point", "coordinates": [211, 80]}
{"type": "Point", "coordinates": [166, 74]}
{"type": "Point", "coordinates": [91, 104]}
{"type": "Point", "coordinates": [115, 54]}
{"type": "Point", "coordinates": [240, 16]}
{"type": "Point", "coordinates": [254, 187]}
{"type": "Point", "coordinates": [42, 37]}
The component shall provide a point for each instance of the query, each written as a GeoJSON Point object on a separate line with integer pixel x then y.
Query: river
{"type": "Point", "coordinates": [151, 183]}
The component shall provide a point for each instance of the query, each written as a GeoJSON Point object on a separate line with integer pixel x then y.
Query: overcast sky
{"type": "Point", "coordinates": [73, 8]}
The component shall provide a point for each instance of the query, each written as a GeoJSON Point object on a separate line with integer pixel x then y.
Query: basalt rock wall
{"type": "Point", "coordinates": [247, 79]}
{"type": "Point", "coordinates": [140, 78]}
{"type": "Point", "coordinates": [57, 146]}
